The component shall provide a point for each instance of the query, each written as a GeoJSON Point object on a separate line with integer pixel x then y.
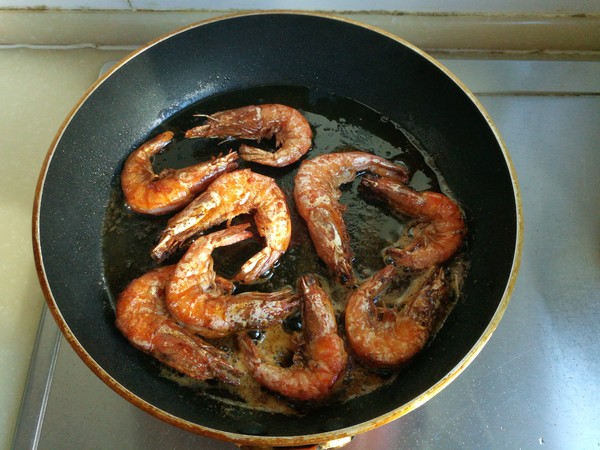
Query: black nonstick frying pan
{"type": "Point", "coordinates": [330, 68]}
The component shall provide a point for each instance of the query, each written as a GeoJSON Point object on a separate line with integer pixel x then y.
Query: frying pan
{"type": "Point", "coordinates": [271, 53]}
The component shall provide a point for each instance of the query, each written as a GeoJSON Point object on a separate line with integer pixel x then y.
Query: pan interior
{"type": "Point", "coordinates": [339, 124]}
{"type": "Point", "coordinates": [364, 80]}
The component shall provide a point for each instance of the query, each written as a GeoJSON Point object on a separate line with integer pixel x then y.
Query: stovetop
{"type": "Point", "coordinates": [534, 384]}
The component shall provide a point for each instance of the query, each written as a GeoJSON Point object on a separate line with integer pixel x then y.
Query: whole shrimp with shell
{"type": "Point", "coordinates": [143, 318]}
{"type": "Point", "coordinates": [235, 193]}
{"type": "Point", "coordinates": [437, 229]}
{"type": "Point", "coordinates": [385, 336]}
{"type": "Point", "coordinates": [292, 132]}
{"type": "Point", "coordinates": [149, 193]}
{"type": "Point", "coordinates": [205, 304]}
{"type": "Point", "coordinates": [317, 193]}
{"type": "Point", "coordinates": [321, 357]}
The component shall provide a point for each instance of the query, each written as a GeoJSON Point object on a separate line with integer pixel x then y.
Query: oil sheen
{"type": "Point", "coordinates": [338, 124]}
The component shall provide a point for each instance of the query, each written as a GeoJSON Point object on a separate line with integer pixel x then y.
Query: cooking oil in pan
{"type": "Point", "coordinates": [338, 124]}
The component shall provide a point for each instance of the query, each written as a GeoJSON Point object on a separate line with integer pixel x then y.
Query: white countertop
{"type": "Point", "coordinates": [40, 84]}
{"type": "Point", "coordinates": [37, 90]}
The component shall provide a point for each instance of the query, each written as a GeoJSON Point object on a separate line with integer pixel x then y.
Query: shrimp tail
{"type": "Point", "coordinates": [266, 158]}
{"type": "Point", "coordinates": [231, 235]}
{"type": "Point", "coordinates": [425, 308]}
{"type": "Point", "coordinates": [398, 194]}
{"type": "Point", "coordinates": [183, 226]}
{"type": "Point", "coordinates": [258, 265]}
{"type": "Point", "coordinates": [258, 155]}
{"type": "Point", "coordinates": [166, 245]}
{"type": "Point", "coordinates": [157, 144]}
{"type": "Point", "coordinates": [226, 163]}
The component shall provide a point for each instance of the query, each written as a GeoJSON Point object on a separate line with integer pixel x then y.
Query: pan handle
{"type": "Point", "coordinates": [329, 445]}
{"type": "Point", "coordinates": [304, 447]}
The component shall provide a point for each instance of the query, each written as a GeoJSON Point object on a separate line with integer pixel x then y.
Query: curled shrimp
{"type": "Point", "coordinates": [292, 132]}
{"type": "Point", "coordinates": [438, 230]}
{"type": "Point", "coordinates": [148, 193]}
{"type": "Point", "coordinates": [204, 304]}
{"type": "Point", "coordinates": [316, 193]}
{"type": "Point", "coordinates": [233, 194]}
{"type": "Point", "coordinates": [386, 337]}
{"type": "Point", "coordinates": [143, 318]}
{"type": "Point", "coordinates": [324, 358]}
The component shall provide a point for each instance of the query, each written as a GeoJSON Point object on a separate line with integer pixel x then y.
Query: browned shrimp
{"type": "Point", "coordinates": [316, 193]}
{"type": "Point", "coordinates": [201, 303]}
{"type": "Point", "coordinates": [311, 376]}
{"type": "Point", "coordinates": [148, 193]}
{"type": "Point", "coordinates": [143, 318]}
{"type": "Point", "coordinates": [233, 194]}
{"type": "Point", "coordinates": [385, 337]}
{"type": "Point", "coordinates": [438, 229]}
{"type": "Point", "coordinates": [292, 132]}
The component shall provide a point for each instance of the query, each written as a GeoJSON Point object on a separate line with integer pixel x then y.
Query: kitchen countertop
{"type": "Point", "coordinates": [541, 366]}
{"type": "Point", "coordinates": [38, 88]}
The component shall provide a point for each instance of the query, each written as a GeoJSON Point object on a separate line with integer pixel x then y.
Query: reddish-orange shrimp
{"type": "Point", "coordinates": [312, 375]}
{"type": "Point", "coordinates": [233, 194]}
{"type": "Point", "coordinates": [201, 303]}
{"type": "Point", "coordinates": [438, 230]}
{"type": "Point", "coordinates": [385, 337]}
{"type": "Point", "coordinates": [292, 132]}
{"type": "Point", "coordinates": [144, 320]}
{"type": "Point", "coordinates": [316, 193]}
{"type": "Point", "coordinates": [148, 193]}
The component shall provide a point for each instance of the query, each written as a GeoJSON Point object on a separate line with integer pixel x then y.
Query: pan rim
{"type": "Point", "coordinates": [254, 439]}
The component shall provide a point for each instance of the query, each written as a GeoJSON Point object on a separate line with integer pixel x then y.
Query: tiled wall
{"type": "Point", "coordinates": [429, 6]}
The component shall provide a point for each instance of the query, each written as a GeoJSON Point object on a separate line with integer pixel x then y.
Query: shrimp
{"type": "Point", "coordinates": [438, 230]}
{"type": "Point", "coordinates": [233, 194]}
{"type": "Point", "coordinates": [385, 337]}
{"type": "Point", "coordinates": [141, 315]}
{"type": "Point", "coordinates": [310, 377]}
{"type": "Point", "coordinates": [292, 132]}
{"type": "Point", "coordinates": [148, 193]}
{"type": "Point", "coordinates": [316, 193]}
{"type": "Point", "coordinates": [202, 304]}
